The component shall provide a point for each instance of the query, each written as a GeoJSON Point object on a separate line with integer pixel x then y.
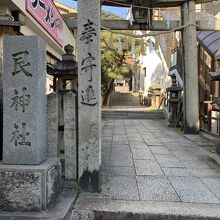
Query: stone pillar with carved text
{"type": "Point", "coordinates": [88, 43]}
{"type": "Point", "coordinates": [29, 181]}
{"type": "Point", "coordinates": [191, 94]}
{"type": "Point", "coordinates": [24, 102]}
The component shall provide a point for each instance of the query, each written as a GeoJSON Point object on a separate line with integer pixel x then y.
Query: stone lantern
{"type": "Point", "coordinates": [149, 96]}
{"type": "Point", "coordinates": [65, 72]}
{"type": "Point", "coordinates": [174, 98]}
{"type": "Point", "coordinates": [155, 95]}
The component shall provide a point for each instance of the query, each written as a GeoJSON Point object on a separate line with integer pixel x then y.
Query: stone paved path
{"type": "Point", "coordinates": [145, 160]}
{"type": "Point", "coordinates": [122, 97]}
{"type": "Point", "coordinates": [150, 169]}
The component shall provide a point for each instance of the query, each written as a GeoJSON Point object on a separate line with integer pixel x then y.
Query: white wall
{"type": "Point", "coordinates": [156, 69]}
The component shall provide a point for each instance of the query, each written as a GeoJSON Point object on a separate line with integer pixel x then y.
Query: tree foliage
{"type": "Point", "coordinates": [113, 62]}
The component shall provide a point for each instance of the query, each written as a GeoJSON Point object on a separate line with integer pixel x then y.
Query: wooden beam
{"type": "Point", "coordinates": [203, 1]}
{"type": "Point", "coordinates": [117, 1]}
{"type": "Point", "coordinates": [174, 3]}
{"type": "Point", "coordinates": [125, 25]}
{"type": "Point", "coordinates": [11, 23]}
{"type": "Point", "coordinates": [204, 25]}
{"type": "Point", "coordinates": [156, 3]}
{"type": "Point", "coordinates": [170, 3]}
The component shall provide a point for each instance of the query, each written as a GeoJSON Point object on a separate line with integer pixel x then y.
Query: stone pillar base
{"type": "Point", "coordinates": [28, 188]}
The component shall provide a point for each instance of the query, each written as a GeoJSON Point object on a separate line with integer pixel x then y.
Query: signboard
{"type": "Point", "coordinates": [46, 13]}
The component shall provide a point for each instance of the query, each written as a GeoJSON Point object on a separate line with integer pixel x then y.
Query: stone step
{"type": "Point", "coordinates": [107, 209]}
{"type": "Point", "coordinates": [132, 114]}
{"type": "Point", "coordinates": [61, 211]}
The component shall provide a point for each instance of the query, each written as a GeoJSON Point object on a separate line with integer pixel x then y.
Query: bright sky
{"type": "Point", "coordinates": [122, 12]}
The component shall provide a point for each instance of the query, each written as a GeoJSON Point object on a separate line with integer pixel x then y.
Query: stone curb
{"type": "Point", "coordinates": [60, 212]}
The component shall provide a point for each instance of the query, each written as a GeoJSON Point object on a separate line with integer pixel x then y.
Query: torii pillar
{"type": "Point", "coordinates": [190, 60]}
{"type": "Point", "coordinates": [89, 94]}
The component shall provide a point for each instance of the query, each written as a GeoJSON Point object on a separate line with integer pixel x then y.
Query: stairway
{"type": "Point", "coordinates": [132, 114]}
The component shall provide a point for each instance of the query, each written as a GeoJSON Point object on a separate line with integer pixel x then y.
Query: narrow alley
{"type": "Point", "coordinates": [109, 110]}
{"type": "Point", "coordinates": [143, 160]}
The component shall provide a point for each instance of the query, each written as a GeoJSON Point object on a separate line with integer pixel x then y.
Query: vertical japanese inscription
{"type": "Point", "coordinates": [88, 65]}
{"type": "Point", "coordinates": [20, 63]}
{"type": "Point", "coordinates": [89, 32]}
{"type": "Point", "coordinates": [24, 109]}
{"type": "Point", "coordinates": [19, 136]}
{"type": "Point", "coordinates": [88, 23]}
{"type": "Point", "coordinates": [88, 95]}
{"type": "Point", "coordinates": [20, 101]}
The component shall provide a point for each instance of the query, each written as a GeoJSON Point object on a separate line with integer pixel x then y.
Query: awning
{"type": "Point", "coordinates": [210, 40]}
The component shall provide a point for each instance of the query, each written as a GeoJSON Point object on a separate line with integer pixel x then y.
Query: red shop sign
{"type": "Point", "coordinates": [46, 13]}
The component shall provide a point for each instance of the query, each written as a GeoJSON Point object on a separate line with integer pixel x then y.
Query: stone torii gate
{"type": "Point", "coordinates": [88, 26]}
